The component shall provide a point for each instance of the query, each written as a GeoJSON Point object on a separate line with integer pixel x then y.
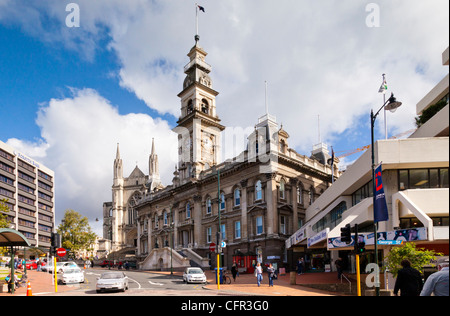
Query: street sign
{"type": "Point", "coordinates": [390, 242]}
{"type": "Point", "coordinates": [212, 247]}
{"type": "Point", "coordinates": [223, 244]}
{"type": "Point", "coordinates": [61, 252]}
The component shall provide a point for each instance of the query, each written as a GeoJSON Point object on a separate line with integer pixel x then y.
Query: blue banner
{"type": "Point", "coordinates": [380, 210]}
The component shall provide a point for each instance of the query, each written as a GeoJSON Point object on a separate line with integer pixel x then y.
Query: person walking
{"type": "Point", "coordinates": [409, 281]}
{"type": "Point", "coordinates": [258, 273]}
{"type": "Point", "coordinates": [437, 284]}
{"type": "Point", "coordinates": [234, 271]}
{"type": "Point", "coordinates": [300, 266]}
{"type": "Point", "coordinates": [339, 266]}
{"type": "Point", "coordinates": [271, 274]}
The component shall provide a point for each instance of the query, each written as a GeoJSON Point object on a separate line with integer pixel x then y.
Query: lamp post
{"type": "Point", "coordinates": [391, 104]}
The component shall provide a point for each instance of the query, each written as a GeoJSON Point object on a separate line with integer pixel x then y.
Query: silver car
{"type": "Point", "coordinates": [112, 281]}
{"type": "Point", "coordinates": [72, 275]}
{"type": "Point", "coordinates": [193, 275]}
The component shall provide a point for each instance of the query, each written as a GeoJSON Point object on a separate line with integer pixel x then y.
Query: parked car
{"type": "Point", "coordinates": [71, 275]}
{"type": "Point", "coordinates": [106, 263]}
{"type": "Point", "coordinates": [112, 281]}
{"type": "Point", "coordinates": [61, 266]}
{"type": "Point", "coordinates": [31, 265]}
{"type": "Point", "coordinates": [191, 275]}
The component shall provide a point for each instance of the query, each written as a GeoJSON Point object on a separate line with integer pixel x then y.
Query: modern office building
{"type": "Point", "coordinates": [416, 187]}
{"type": "Point", "coordinates": [28, 188]}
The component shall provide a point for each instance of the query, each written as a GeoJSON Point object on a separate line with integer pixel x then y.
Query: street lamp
{"type": "Point", "coordinates": [391, 104]}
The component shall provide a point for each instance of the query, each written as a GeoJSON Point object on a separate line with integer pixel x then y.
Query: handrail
{"type": "Point", "coordinates": [350, 283]}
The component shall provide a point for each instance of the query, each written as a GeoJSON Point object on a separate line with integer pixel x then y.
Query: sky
{"type": "Point", "coordinates": [78, 77]}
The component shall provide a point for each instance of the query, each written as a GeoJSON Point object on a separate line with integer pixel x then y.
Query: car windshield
{"type": "Point", "coordinates": [112, 276]}
{"type": "Point", "coordinates": [72, 271]}
{"type": "Point", "coordinates": [195, 271]}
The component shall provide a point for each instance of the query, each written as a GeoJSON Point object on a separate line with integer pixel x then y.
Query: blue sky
{"type": "Point", "coordinates": [69, 95]}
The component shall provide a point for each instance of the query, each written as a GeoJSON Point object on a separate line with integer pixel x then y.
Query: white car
{"type": "Point", "coordinates": [71, 275]}
{"type": "Point", "coordinates": [111, 281]}
{"type": "Point", "coordinates": [193, 275]}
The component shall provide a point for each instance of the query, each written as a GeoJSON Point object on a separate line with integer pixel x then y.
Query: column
{"type": "Point", "coordinates": [138, 237]}
{"type": "Point", "coordinates": [197, 240]}
{"type": "Point", "coordinates": [149, 233]}
{"type": "Point", "coordinates": [294, 198]}
{"type": "Point", "coordinates": [244, 230]}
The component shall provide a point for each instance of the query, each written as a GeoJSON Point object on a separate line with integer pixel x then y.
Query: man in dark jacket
{"type": "Point", "coordinates": [409, 281]}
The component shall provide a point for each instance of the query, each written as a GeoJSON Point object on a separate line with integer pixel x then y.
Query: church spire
{"type": "Point", "coordinates": [154, 180]}
{"type": "Point", "coordinates": [118, 167]}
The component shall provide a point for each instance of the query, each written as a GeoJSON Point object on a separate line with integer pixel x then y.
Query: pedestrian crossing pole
{"type": "Point", "coordinates": [218, 233]}
{"type": "Point", "coordinates": [358, 272]}
{"type": "Point", "coordinates": [56, 274]}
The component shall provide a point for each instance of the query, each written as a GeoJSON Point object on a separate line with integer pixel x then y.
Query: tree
{"type": "Point", "coordinates": [4, 223]}
{"type": "Point", "coordinates": [76, 234]}
{"type": "Point", "coordinates": [419, 257]}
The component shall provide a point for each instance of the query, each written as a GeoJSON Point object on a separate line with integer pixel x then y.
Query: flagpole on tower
{"type": "Point", "coordinates": [196, 19]}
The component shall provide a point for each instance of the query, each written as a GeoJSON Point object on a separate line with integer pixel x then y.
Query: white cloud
{"type": "Point", "coordinates": [79, 141]}
{"type": "Point", "coordinates": [319, 58]}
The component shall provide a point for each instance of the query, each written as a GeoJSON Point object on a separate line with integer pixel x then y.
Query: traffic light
{"type": "Point", "coordinates": [56, 240]}
{"type": "Point", "coordinates": [360, 248]}
{"type": "Point", "coordinates": [346, 234]}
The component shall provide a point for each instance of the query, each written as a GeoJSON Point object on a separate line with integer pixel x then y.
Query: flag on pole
{"type": "Point", "coordinates": [383, 87]}
{"type": "Point", "coordinates": [201, 8]}
{"type": "Point", "coordinates": [380, 211]}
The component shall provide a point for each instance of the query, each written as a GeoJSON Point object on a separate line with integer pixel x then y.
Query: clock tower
{"type": "Point", "coordinates": [199, 129]}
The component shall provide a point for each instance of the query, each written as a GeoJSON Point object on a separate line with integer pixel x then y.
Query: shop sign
{"type": "Point", "coordinates": [395, 237]}
{"type": "Point", "coordinates": [318, 237]}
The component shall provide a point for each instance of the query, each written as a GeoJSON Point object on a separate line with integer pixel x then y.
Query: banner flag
{"type": "Point", "coordinates": [380, 210]}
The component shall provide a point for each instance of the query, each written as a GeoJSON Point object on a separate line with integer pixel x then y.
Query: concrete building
{"type": "Point", "coordinates": [416, 186]}
{"type": "Point", "coordinates": [28, 188]}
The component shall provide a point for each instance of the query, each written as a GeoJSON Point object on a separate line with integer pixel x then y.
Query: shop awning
{"type": "Point", "coordinates": [10, 237]}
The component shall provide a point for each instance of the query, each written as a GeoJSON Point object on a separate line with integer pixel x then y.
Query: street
{"type": "Point", "coordinates": [140, 283]}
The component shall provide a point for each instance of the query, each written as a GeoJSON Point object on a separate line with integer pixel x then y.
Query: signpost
{"type": "Point", "coordinates": [212, 247]}
{"type": "Point", "coordinates": [61, 252]}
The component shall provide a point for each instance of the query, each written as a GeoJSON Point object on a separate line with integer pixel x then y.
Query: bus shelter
{"type": "Point", "coordinates": [10, 238]}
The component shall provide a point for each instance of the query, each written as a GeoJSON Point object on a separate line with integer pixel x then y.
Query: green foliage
{"type": "Point", "coordinates": [76, 234]}
{"type": "Point", "coordinates": [4, 223]}
{"type": "Point", "coordinates": [419, 257]}
{"type": "Point", "coordinates": [430, 112]}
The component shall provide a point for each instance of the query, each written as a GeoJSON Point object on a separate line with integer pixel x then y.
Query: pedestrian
{"type": "Point", "coordinates": [409, 281]}
{"type": "Point", "coordinates": [234, 271]}
{"type": "Point", "coordinates": [271, 274]}
{"type": "Point", "coordinates": [339, 267]}
{"type": "Point", "coordinates": [437, 283]}
{"type": "Point", "coordinates": [258, 273]}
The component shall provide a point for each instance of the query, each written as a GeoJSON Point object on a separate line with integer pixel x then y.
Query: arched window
{"type": "Point", "coordinates": [282, 190]}
{"type": "Point", "coordinates": [208, 206]}
{"type": "Point", "coordinates": [188, 210]}
{"type": "Point", "coordinates": [190, 107]}
{"type": "Point", "coordinates": [222, 201]}
{"type": "Point", "coordinates": [165, 218]}
{"type": "Point", "coordinates": [258, 190]}
{"type": "Point", "coordinates": [237, 197]}
{"type": "Point", "coordinates": [205, 106]}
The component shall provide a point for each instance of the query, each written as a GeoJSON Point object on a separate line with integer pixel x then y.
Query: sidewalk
{"type": "Point", "coordinates": [246, 284]}
{"type": "Point", "coordinates": [40, 282]}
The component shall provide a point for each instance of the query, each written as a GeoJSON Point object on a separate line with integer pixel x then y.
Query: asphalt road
{"type": "Point", "coordinates": [140, 283]}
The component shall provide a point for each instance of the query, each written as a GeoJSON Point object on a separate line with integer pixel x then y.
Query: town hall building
{"type": "Point", "coordinates": [249, 204]}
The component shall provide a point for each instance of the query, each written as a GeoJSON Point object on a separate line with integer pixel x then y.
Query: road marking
{"type": "Point", "coordinates": [152, 283]}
